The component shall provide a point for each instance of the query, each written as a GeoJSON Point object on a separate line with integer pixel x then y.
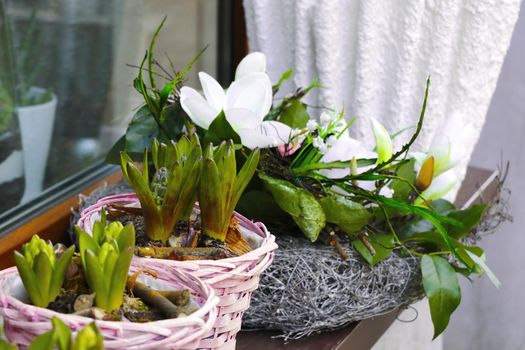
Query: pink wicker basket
{"type": "Point", "coordinates": [233, 279]}
{"type": "Point", "coordinates": [23, 322]}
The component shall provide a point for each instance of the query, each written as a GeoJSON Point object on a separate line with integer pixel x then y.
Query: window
{"type": "Point", "coordinates": [66, 71]}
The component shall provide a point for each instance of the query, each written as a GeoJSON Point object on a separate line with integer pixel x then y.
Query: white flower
{"type": "Point", "coordinates": [245, 104]}
{"type": "Point", "coordinates": [344, 149]}
{"type": "Point", "coordinates": [311, 125]}
{"type": "Point", "coordinates": [318, 143]}
{"type": "Point", "coordinates": [446, 150]}
{"type": "Point", "coordinates": [331, 140]}
{"type": "Point", "coordinates": [440, 186]}
{"type": "Point", "coordinates": [325, 119]}
{"type": "Point", "coordinates": [446, 146]}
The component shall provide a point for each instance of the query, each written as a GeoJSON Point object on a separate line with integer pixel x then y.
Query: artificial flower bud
{"type": "Point", "coordinates": [426, 174]}
{"type": "Point", "coordinates": [383, 142]}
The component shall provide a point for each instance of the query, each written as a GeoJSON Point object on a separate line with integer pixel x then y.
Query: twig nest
{"type": "Point", "coordinates": [309, 288]}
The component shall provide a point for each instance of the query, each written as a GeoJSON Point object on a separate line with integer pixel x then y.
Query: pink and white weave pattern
{"type": "Point", "coordinates": [23, 322]}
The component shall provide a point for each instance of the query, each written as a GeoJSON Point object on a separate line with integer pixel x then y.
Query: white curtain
{"type": "Point", "coordinates": [373, 57]}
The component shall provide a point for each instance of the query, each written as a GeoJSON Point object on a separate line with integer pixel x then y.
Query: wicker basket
{"type": "Point", "coordinates": [23, 322]}
{"type": "Point", "coordinates": [233, 279]}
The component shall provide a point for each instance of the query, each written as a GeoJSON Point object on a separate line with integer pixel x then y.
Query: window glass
{"type": "Point", "coordinates": [66, 71]}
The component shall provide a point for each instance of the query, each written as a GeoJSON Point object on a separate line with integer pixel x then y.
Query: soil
{"type": "Point", "coordinates": [76, 298]}
{"type": "Point", "coordinates": [202, 246]}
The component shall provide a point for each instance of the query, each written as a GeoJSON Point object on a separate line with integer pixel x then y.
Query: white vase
{"type": "Point", "coordinates": [36, 128]}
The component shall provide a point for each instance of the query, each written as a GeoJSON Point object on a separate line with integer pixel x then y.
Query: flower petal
{"type": "Point", "coordinates": [199, 111]}
{"type": "Point", "coordinates": [252, 63]}
{"type": "Point", "coordinates": [279, 131]}
{"type": "Point", "coordinates": [253, 138]}
{"type": "Point", "coordinates": [440, 186]}
{"type": "Point", "coordinates": [268, 134]}
{"type": "Point", "coordinates": [345, 149]}
{"type": "Point", "coordinates": [383, 142]}
{"type": "Point", "coordinates": [213, 91]}
{"type": "Point", "coordinates": [253, 92]}
{"type": "Point", "coordinates": [242, 118]}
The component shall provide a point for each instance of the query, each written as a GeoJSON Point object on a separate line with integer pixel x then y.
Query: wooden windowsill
{"type": "Point", "coordinates": [52, 225]}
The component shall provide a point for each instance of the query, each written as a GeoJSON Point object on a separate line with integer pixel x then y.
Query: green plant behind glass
{"type": "Point", "coordinates": [41, 271]}
{"type": "Point", "coordinates": [221, 187]}
{"type": "Point", "coordinates": [7, 78]}
{"type": "Point", "coordinates": [106, 260]}
{"type": "Point", "coordinates": [170, 196]}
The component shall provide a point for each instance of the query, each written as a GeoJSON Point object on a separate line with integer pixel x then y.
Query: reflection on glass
{"type": "Point", "coordinates": [66, 68]}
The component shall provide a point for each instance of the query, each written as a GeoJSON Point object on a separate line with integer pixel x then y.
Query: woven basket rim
{"type": "Point", "coordinates": [194, 319]}
{"type": "Point", "coordinates": [267, 245]}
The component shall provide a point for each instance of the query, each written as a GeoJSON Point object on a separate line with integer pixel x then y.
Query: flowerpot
{"type": "Point", "coordinates": [23, 322]}
{"type": "Point", "coordinates": [36, 127]}
{"type": "Point", "coordinates": [233, 279]}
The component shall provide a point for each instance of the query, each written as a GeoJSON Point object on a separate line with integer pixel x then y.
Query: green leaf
{"type": "Point", "coordinates": [305, 210]}
{"type": "Point", "coordinates": [382, 244]}
{"type": "Point", "coordinates": [295, 115]}
{"type": "Point", "coordinates": [243, 178]}
{"type": "Point", "coordinates": [29, 280]}
{"type": "Point", "coordinates": [402, 187]}
{"type": "Point", "coordinates": [96, 279]}
{"type": "Point", "coordinates": [470, 218]}
{"type": "Point", "coordinates": [5, 345]}
{"type": "Point", "coordinates": [85, 242]}
{"type": "Point", "coordinates": [61, 334]}
{"type": "Point", "coordinates": [442, 206]}
{"type": "Point", "coordinates": [43, 271]}
{"type": "Point", "coordinates": [141, 131]}
{"type": "Point", "coordinates": [442, 289]}
{"type": "Point", "coordinates": [59, 272]}
{"type": "Point", "coordinates": [285, 76]}
{"type": "Point", "coordinates": [480, 260]}
{"type": "Point", "coordinates": [89, 338]}
{"type": "Point", "coordinates": [43, 341]}
{"type": "Point", "coordinates": [220, 130]}
{"type": "Point", "coordinates": [348, 215]}
{"type": "Point", "coordinates": [113, 156]}
{"type": "Point", "coordinates": [119, 279]}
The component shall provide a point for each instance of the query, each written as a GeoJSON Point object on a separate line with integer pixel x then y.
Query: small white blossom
{"type": "Point", "coordinates": [331, 140]}
{"type": "Point", "coordinates": [311, 125]}
{"type": "Point", "coordinates": [318, 143]}
{"type": "Point", "coordinates": [325, 119]}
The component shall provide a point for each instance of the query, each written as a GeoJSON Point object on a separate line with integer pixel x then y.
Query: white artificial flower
{"type": "Point", "coordinates": [344, 149]}
{"type": "Point", "coordinates": [245, 104]}
{"type": "Point", "coordinates": [311, 125]}
{"type": "Point", "coordinates": [440, 186]}
{"type": "Point", "coordinates": [446, 146]}
{"type": "Point", "coordinates": [319, 143]}
{"type": "Point", "coordinates": [331, 140]}
{"type": "Point", "coordinates": [325, 119]}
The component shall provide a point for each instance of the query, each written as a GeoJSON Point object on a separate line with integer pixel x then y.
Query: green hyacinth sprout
{"type": "Point", "coordinates": [171, 195]}
{"type": "Point", "coordinates": [106, 258]}
{"type": "Point", "coordinates": [41, 271]}
{"type": "Point", "coordinates": [221, 187]}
